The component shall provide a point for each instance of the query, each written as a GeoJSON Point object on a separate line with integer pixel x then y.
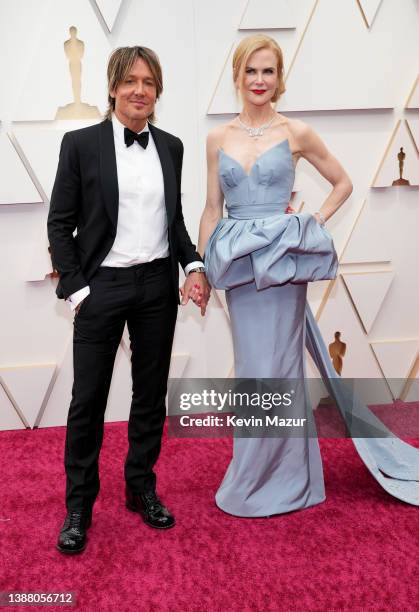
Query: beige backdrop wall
{"type": "Point", "coordinates": [351, 69]}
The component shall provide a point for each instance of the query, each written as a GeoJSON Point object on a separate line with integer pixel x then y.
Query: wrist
{"type": "Point", "coordinates": [199, 270]}
{"type": "Point", "coordinates": [320, 217]}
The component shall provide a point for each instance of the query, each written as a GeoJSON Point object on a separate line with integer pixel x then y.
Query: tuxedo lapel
{"type": "Point", "coordinates": [169, 177]}
{"type": "Point", "coordinates": [108, 172]}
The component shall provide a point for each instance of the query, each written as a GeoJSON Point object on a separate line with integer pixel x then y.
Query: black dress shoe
{"type": "Point", "coordinates": [72, 538]}
{"type": "Point", "coordinates": [151, 509]}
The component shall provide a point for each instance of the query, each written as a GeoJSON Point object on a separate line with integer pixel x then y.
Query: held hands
{"type": "Point", "coordinates": [198, 289]}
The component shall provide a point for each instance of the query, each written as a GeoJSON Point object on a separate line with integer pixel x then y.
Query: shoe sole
{"type": "Point", "coordinates": [64, 551]}
{"type": "Point", "coordinates": [133, 509]}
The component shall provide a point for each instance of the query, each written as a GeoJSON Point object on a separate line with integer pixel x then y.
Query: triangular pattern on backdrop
{"type": "Point", "coordinates": [39, 260]}
{"type": "Point", "coordinates": [55, 409]}
{"type": "Point", "coordinates": [317, 294]}
{"type": "Point", "coordinates": [410, 392]}
{"type": "Point", "coordinates": [16, 186]}
{"type": "Point", "coordinates": [368, 291]}
{"type": "Point", "coordinates": [364, 245]}
{"type": "Point", "coordinates": [224, 99]}
{"type": "Point", "coordinates": [388, 170]}
{"type": "Point", "coordinates": [359, 362]}
{"type": "Point", "coordinates": [413, 98]}
{"type": "Point", "coordinates": [369, 9]}
{"type": "Point", "coordinates": [42, 166]}
{"type": "Point", "coordinates": [368, 88]}
{"type": "Point", "coordinates": [28, 166]}
{"type": "Point", "coordinates": [396, 359]}
{"type": "Point", "coordinates": [109, 10]}
{"type": "Point", "coordinates": [413, 127]}
{"type": "Point", "coordinates": [268, 15]}
{"type": "Point", "coordinates": [42, 160]}
{"type": "Point", "coordinates": [9, 417]}
{"type": "Point", "coordinates": [28, 386]}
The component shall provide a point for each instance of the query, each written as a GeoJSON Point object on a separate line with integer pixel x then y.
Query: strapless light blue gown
{"type": "Point", "coordinates": [264, 259]}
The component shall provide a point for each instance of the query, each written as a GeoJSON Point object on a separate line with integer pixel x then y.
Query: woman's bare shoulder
{"type": "Point", "coordinates": [218, 134]}
{"type": "Point", "coordinates": [301, 132]}
{"type": "Point", "coordinates": [297, 127]}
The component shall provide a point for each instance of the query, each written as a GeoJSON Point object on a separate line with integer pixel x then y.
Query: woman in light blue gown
{"type": "Point", "coordinates": [263, 255]}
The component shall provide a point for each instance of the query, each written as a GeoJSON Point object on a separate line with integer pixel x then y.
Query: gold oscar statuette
{"type": "Point", "coordinates": [74, 50]}
{"type": "Point", "coordinates": [401, 181]}
{"type": "Point", "coordinates": [337, 350]}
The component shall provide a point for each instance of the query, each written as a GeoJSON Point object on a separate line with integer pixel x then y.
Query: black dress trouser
{"type": "Point", "coordinates": [142, 296]}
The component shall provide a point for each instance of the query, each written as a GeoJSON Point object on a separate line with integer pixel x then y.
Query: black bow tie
{"type": "Point", "coordinates": [130, 136]}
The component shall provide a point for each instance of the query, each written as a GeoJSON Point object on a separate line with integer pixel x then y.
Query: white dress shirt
{"type": "Point", "coordinates": [141, 233]}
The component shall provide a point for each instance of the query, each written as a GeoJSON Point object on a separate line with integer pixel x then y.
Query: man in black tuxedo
{"type": "Point", "coordinates": [119, 183]}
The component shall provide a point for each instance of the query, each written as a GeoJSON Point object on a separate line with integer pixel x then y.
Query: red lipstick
{"type": "Point", "coordinates": [259, 92]}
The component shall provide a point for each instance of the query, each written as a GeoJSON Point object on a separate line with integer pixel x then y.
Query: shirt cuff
{"type": "Point", "coordinates": [75, 298]}
{"type": "Point", "coordinates": [192, 265]}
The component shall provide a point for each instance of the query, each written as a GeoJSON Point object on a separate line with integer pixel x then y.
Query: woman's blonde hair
{"type": "Point", "coordinates": [249, 45]}
{"type": "Point", "coordinates": [120, 63]}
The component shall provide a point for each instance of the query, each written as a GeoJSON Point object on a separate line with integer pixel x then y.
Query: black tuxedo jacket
{"type": "Point", "coordinates": [85, 198]}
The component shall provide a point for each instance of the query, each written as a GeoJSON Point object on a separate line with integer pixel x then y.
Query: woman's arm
{"type": "Point", "coordinates": [213, 210]}
{"type": "Point", "coordinates": [314, 150]}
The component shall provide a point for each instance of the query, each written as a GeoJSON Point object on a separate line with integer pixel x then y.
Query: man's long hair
{"type": "Point", "coordinates": [120, 63]}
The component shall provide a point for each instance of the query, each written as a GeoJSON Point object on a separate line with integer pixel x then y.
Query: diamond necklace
{"type": "Point", "coordinates": [256, 131]}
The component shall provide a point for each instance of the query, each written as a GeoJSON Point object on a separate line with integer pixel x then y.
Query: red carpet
{"type": "Point", "coordinates": [356, 551]}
